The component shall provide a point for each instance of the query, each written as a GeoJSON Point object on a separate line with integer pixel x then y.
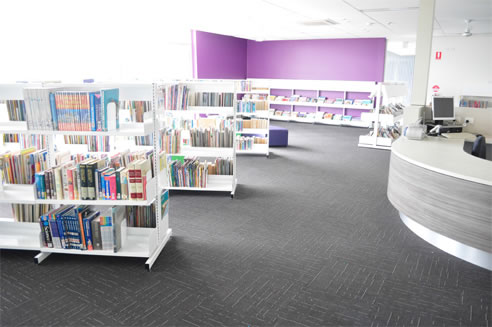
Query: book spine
{"type": "Point", "coordinates": [70, 183]}
{"type": "Point", "coordinates": [58, 184]}
{"type": "Point", "coordinates": [93, 112]}
{"type": "Point", "coordinates": [91, 191]}
{"type": "Point", "coordinates": [45, 230]}
{"type": "Point", "coordinates": [61, 232]}
{"type": "Point", "coordinates": [88, 235]}
{"type": "Point", "coordinates": [118, 184]}
{"type": "Point", "coordinates": [55, 236]}
{"type": "Point", "coordinates": [83, 240]}
{"type": "Point", "coordinates": [53, 111]}
{"type": "Point", "coordinates": [131, 184]}
{"type": "Point", "coordinates": [96, 234]}
{"type": "Point", "coordinates": [112, 187]}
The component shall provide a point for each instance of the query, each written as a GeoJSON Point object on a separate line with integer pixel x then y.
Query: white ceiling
{"type": "Point", "coordinates": [294, 19]}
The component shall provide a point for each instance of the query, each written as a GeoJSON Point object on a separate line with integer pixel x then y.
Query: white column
{"type": "Point", "coordinates": [423, 52]}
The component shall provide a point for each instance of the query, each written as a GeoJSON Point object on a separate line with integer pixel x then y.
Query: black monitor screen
{"type": "Point", "coordinates": [443, 108]}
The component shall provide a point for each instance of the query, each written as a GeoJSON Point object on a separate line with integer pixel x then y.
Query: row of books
{"type": "Point", "coordinates": [16, 110]}
{"type": "Point", "coordinates": [20, 167]}
{"type": "Point", "coordinates": [84, 228]}
{"type": "Point", "coordinates": [323, 100]}
{"type": "Point", "coordinates": [145, 216]}
{"type": "Point", "coordinates": [94, 143]}
{"type": "Point", "coordinates": [143, 140]}
{"type": "Point", "coordinates": [244, 86]}
{"type": "Point", "coordinates": [29, 213]}
{"type": "Point", "coordinates": [247, 142]}
{"type": "Point", "coordinates": [331, 116]}
{"type": "Point", "coordinates": [191, 172]}
{"type": "Point", "coordinates": [392, 109]}
{"type": "Point", "coordinates": [56, 109]}
{"type": "Point", "coordinates": [211, 99]}
{"type": "Point", "coordinates": [254, 97]}
{"type": "Point", "coordinates": [27, 140]}
{"type": "Point", "coordinates": [392, 132]}
{"type": "Point", "coordinates": [470, 103]}
{"type": "Point", "coordinates": [211, 137]}
{"type": "Point", "coordinates": [251, 106]}
{"type": "Point", "coordinates": [171, 140]}
{"type": "Point", "coordinates": [97, 179]}
{"type": "Point", "coordinates": [136, 109]}
{"type": "Point", "coordinates": [251, 123]}
{"type": "Point", "coordinates": [174, 97]}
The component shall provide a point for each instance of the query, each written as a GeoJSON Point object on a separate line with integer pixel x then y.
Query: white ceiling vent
{"type": "Point", "coordinates": [321, 22]}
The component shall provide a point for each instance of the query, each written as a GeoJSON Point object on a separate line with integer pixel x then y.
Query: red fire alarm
{"type": "Point", "coordinates": [436, 88]}
{"type": "Point", "coordinates": [438, 55]}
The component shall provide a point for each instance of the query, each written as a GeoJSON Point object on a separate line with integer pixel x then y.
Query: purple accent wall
{"type": "Point", "coordinates": [219, 56]}
{"type": "Point", "coordinates": [324, 59]}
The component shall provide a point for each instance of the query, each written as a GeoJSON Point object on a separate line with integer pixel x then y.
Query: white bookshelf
{"type": "Point", "coordinates": [318, 87]}
{"type": "Point", "coordinates": [140, 242]}
{"type": "Point", "coordinates": [215, 183]}
{"type": "Point", "coordinates": [257, 149]}
{"type": "Point", "coordinates": [385, 93]}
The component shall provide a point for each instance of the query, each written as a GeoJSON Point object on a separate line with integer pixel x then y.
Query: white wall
{"type": "Point", "coordinates": [465, 67]}
{"type": "Point", "coordinates": [107, 40]}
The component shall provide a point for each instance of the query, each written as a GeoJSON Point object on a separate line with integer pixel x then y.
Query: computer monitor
{"type": "Point", "coordinates": [443, 108]}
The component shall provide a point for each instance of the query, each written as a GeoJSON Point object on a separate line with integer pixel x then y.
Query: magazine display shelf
{"type": "Point", "coordinates": [386, 93]}
{"type": "Point", "coordinates": [317, 88]}
{"type": "Point", "coordinates": [140, 242]}
{"type": "Point", "coordinates": [215, 183]}
{"type": "Point", "coordinates": [257, 149]}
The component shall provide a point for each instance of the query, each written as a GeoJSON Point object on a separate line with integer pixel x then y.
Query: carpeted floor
{"type": "Point", "coordinates": [309, 240]}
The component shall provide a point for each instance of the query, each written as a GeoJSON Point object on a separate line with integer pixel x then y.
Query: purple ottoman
{"type": "Point", "coordinates": [279, 136]}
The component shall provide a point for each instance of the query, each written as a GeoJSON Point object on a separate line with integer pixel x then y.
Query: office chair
{"type": "Point", "coordinates": [479, 147]}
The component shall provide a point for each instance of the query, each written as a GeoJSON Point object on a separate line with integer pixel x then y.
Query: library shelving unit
{"type": "Point", "coordinates": [386, 93]}
{"type": "Point", "coordinates": [140, 242]}
{"type": "Point", "coordinates": [313, 112]}
{"type": "Point", "coordinates": [257, 149]}
{"type": "Point", "coordinates": [215, 183]}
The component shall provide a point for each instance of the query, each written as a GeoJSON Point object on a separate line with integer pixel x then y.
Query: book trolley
{"type": "Point", "coordinates": [386, 93]}
{"type": "Point", "coordinates": [139, 241]}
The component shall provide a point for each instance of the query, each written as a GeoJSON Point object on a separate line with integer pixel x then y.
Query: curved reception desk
{"type": "Point", "coordinates": [444, 195]}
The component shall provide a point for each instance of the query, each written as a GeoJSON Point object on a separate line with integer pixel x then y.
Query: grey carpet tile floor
{"type": "Point", "coordinates": [309, 240]}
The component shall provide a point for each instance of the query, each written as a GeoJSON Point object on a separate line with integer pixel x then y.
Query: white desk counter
{"type": "Point", "coordinates": [445, 156]}
{"type": "Point", "coordinates": [444, 195]}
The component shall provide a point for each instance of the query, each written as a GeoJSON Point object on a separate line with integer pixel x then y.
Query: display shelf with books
{"type": "Point", "coordinates": [307, 101]}
{"type": "Point", "coordinates": [50, 211]}
{"type": "Point", "coordinates": [475, 101]}
{"type": "Point", "coordinates": [253, 108]}
{"type": "Point", "coordinates": [385, 118]}
{"type": "Point", "coordinates": [200, 122]}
